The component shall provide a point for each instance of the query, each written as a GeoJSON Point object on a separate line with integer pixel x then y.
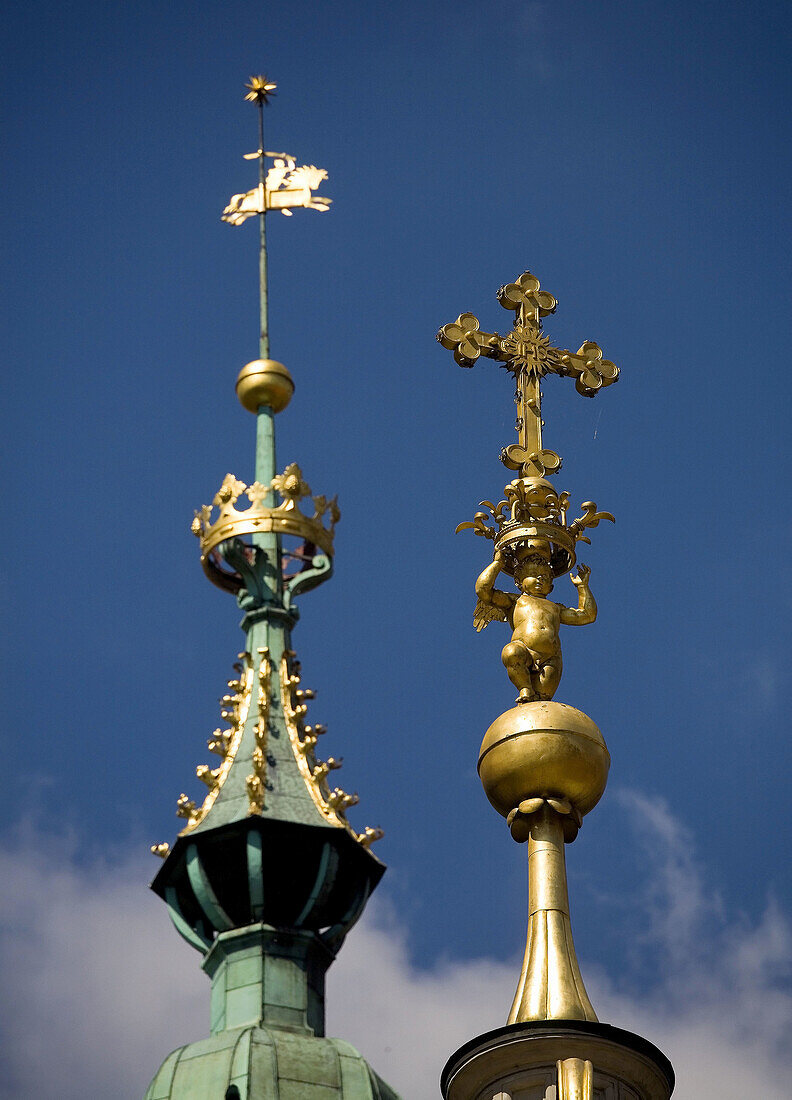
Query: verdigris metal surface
{"type": "Point", "coordinates": [267, 1064]}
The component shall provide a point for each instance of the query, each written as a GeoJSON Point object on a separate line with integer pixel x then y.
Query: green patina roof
{"type": "Point", "coordinates": [267, 1064]}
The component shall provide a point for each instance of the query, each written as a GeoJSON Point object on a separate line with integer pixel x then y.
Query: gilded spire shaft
{"type": "Point", "coordinates": [550, 986]}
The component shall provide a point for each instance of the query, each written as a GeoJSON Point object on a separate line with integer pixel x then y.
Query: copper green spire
{"type": "Point", "coordinates": [267, 876]}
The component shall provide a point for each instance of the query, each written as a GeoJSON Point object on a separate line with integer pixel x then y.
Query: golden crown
{"type": "Point", "coordinates": [532, 522]}
{"type": "Point", "coordinates": [221, 520]}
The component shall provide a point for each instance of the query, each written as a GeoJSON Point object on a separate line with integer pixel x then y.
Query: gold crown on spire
{"type": "Point", "coordinates": [532, 522]}
{"type": "Point", "coordinates": [221, 520]}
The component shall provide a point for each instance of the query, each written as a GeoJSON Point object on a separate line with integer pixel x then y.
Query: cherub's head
{"type": "Point", "coordinates": [534, 577]}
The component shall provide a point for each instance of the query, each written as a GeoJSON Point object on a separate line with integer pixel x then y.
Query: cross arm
{"type": "Point", "coordinates": [467, 341]}
{"type": "Point", "coordinates": [587, 366]}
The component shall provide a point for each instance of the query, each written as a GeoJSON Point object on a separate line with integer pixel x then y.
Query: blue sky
{"type": "Point", "coordinates": [636, 157]}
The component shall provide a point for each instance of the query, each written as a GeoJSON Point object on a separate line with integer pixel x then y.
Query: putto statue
{"type": "Point", "coordinates": [533, 656]}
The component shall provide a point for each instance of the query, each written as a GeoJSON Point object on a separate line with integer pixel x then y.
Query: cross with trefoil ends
{"type": "Point", "coordinates": [528, 354]}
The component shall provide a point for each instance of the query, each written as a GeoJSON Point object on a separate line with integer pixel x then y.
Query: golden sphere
{"type": "Point", "coordinates": [264, 382]}
{"type": "Point", "coordinates": [543, 749]}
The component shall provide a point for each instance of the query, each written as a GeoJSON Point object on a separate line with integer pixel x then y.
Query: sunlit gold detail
{"type": "Point", "coordinates": [220, 521]}
{"type": "Point", "coordinates": [161, 850]}
{"type": "Point", "coordinates": [533, 656]}
{"type": "Point", "coordinates": [332, 804]}
{"type": "Point", "coordinates": [324, 767]}
{"type": "Point", "coordinates": [285, 188]}
{"type": "Point", "coordinates": [519, 819]}
{"type": "Point", "coordinates": [256, 781]}
{"type": "Point", "coordinates": [260, 89]}
{"type": "Point", "coordinates": [220, 741]}
{"type": "Point", "coordinates": [294, 711]}
{"type": "Point", "coordinates": [340, 801]}
{"type": "Point", "coordinates": [575, 1079]}
{"type": "Point", "coordinates": [264, 382]}
{"type": "Point", "coordinates": [529, 355]}
{"type": "Point", "coordinates": [208, 776]}
{"type": "Point", "coordinates": [550, 986]}
{"type": "Point", "coordinates": [534, 514]}
{"type": "Point", "coordinates": [544, 750]}
{"type": "Point", "coordinates": [544, 766]}
{"type": "Point", "coordinates": [234, 710]}
{"type": "Point", "coordinates": [370, 835]}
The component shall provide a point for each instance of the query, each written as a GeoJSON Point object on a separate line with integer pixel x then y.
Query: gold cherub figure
{"type": "Point", "coordinates": [533, 656]}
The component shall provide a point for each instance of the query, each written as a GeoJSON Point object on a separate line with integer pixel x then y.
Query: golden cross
{"type": "Point", "coordinates": [528, 354]}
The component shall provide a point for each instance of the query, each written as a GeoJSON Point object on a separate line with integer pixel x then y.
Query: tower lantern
{"type": "Point", "coordinates": [267, 875]}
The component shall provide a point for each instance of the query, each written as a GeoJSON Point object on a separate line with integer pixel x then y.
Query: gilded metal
{"type": "Point", "coordinates": [543, 750]}
{"type": "Point", "coordinates": [255, 783]}
{"type": "Point", "coordinates": [160, 850]}
{"type": "Point", "coordinates": [369, 836]}
{"type": "Point", "coordinates": [550, 986]}
{"type": "Point", "coordinates": [303, 743]}
{"type": "Point", "coordinates": [528, 354]}
{"type": "Point", "coordinates": [332, 804]}
{"type": "Point", "coordinates": [185, 807]}
{"type": "Point", "coordinates": [533, 656]}
{"type": "Point", "coordinates": [543, 765]}
{"type": "Point", "coordinates": [285, 187]}
{"type": "Point", "coordinates": [225, 743]}
{"type": "Point", "coordinates": [264, 382]}
{"type": "Point", "coordinates": [260, 89]}
{"type": "Point", "coordinates": [575, 1079]}
{"type": "Point", "coordinates": [532, 515]}
{"type": "Point", "coordinates": [229, 522]}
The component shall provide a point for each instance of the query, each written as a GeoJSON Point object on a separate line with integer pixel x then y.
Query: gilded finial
{"type": "Point", "coordinates": [528, 354]}
{"type": "Point", "coordinates": [260, 89]}
{"type": "Point", "coordinates": [543, 765]}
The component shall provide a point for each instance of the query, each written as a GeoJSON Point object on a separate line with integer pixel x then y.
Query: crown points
{"type": "Point", "coordinates": [533, 519]}
{"type": "Point", "coordinates": [223, 520]}
{"type": "Point", "coordinates": [291, 485]}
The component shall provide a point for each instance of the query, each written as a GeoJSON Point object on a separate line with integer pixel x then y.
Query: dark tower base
{"type": "Point", "coordinates": [558, 1060]}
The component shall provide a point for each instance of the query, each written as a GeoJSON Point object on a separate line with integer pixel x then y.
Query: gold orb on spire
{"type": "Point", "coordinates": [260, 89]}
{"type": "Point", "coordinates": [264, 382]}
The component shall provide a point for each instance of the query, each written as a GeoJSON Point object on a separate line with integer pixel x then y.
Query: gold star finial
{"type": "Point", "coordinates": [259, 89]}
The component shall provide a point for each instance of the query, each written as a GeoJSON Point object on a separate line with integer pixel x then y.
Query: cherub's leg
{"type": "Point", "coordinates": [547, 678]}
{"type": "Point", "coordinates": [519, 663]}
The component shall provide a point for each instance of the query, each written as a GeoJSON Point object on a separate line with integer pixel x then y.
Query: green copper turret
{"type": "Point", "coordinates": [267, 876]}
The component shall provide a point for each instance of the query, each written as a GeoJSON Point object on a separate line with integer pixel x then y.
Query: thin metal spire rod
{"type": "Point", "coordinates": [263, 305]}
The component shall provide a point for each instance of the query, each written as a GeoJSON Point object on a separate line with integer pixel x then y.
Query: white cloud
{"type": "Point", "coordinates": [98, 986]}
{"type": "Point", "coordinates": [720, 1005]}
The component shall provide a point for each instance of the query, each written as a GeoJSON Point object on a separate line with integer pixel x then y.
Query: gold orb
{"type": "Point", "coordinates": [541, 750]}
{"type": "Point", "coordinates": [264, 382]}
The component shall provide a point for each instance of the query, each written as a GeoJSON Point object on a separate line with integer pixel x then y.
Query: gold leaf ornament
{"type": "Point", "coordinates": [260, 89]}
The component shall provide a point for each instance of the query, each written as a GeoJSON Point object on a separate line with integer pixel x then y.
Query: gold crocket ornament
{"type": "Point", "coordinates": [543, 764]}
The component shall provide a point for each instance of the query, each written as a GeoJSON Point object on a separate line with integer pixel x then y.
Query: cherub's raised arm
{"type": "Point", "coordinates": [486, 591]}
{"type": "Point", "coordinates": [586, 611]}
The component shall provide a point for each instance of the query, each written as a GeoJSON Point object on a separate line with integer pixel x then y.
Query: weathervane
{"type": "Point", "coordinates": [283, 187]}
